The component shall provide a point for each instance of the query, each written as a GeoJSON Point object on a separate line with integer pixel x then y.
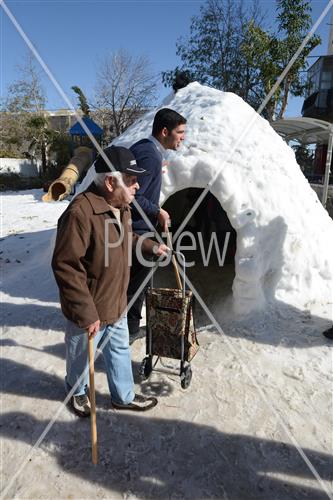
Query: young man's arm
{"type": "Point", "coordinates": [149, 182]}
{"type": "Point", "coordinates": [151, 163]}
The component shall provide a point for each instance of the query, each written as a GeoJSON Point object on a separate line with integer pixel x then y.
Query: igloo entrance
{"type": "Point", "coordinates": [211, 246]}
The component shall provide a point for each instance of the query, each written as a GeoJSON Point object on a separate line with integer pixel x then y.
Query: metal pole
{"type": "Point", "coordinates": [327, 168]}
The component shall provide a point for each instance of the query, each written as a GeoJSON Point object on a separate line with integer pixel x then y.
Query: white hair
{"type": "Point", "coordinates": [92, 176]}
{"type": "Point", "coordinates": [99, 179]}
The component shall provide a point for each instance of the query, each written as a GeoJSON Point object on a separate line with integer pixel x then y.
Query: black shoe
{"type": "Point", "coordinates": [139, 403]}
{"type": "Point", "coordinates": [329, 333]}
{"type": "Point", "coordinates": [80, 405]}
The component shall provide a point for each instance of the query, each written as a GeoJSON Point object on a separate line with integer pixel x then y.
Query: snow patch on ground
{"type": "Point", "coordinates": [221, 438]}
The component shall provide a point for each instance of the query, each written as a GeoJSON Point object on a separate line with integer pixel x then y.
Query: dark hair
{"type": "Point", "coordinates": [168, 118]}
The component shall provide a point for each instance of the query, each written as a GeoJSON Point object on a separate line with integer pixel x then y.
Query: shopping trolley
{"type": "Point", "coordinates": [170, 329]}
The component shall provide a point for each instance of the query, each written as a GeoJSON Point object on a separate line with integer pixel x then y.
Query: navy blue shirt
{"type": "Point", "coordinates": [150, 158]}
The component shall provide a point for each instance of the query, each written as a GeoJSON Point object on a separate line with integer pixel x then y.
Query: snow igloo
{"type": "Point", "coordinates": [284, 235]}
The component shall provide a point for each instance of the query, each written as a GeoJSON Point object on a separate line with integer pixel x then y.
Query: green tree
{"type": "Point", "coordinates": [41, 138]}
{"type": "Point", "coordinates": [212, 55]}
{"type": "Point", "coordinates": [229, 49]}
{"type": "Point", "coordinates": [294, 18]}
{"type": "Point", "coordinates": [305, 156]}
{"type": "Point", "coordinates": [261, 51]}
{"type": "Point", "coordinates": [61, 150]}
{"type": "Point", "coordinates": [271, 53]}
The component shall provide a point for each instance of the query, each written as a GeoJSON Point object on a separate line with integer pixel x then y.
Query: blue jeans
{"type": "Point", "coordinates": [116, 354]}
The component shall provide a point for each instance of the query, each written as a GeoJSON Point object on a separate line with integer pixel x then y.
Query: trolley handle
{"type": "Point", "coordinates": [183, 287]}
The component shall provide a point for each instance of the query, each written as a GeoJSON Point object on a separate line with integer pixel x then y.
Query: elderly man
{"type": "Point", "coordinates": [90, 264]}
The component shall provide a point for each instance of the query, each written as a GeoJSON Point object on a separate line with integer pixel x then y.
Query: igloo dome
{"type": "Point", "coordinates": [284, 235]}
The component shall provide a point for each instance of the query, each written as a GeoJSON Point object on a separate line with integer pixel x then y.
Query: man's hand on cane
{"type": "Point", "coordinates": [93, 329]}
{"type": "Point", "coordinates": [161, 250]}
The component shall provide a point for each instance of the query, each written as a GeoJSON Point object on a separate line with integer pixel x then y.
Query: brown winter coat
{"type": "Point", "coordinates": [90, 290]}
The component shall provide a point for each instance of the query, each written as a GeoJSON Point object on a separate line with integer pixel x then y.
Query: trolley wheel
{"type": "Point", "coordinates": [186, 377]}
{"type": "Point", "coordinates": [146, 367]}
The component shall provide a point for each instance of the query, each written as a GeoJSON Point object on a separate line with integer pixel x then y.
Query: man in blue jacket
{"type": "Point", "coordinates": [168, 133]}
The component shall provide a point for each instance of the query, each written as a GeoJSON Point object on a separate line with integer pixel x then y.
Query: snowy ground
{"type": "Point", "coordinates": [258, 390]}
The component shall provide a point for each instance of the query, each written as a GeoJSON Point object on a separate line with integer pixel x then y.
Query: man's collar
{"type": "Point", "coordinates": [157, 143]}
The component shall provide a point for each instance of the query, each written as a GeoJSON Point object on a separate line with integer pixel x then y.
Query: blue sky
{"type": "Point", "coordinates": [72, 35]}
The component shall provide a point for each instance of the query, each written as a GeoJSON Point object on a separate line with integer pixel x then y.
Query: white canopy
{"type": "Point", "coordinates": [309, 131]}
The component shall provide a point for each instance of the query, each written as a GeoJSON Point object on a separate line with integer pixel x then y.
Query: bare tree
{"type": "Point", "coordinates": [125, 87]}
{"type": "Point", "coordinates": [26, 94]}
{"type": "Point", "coordinates": [24, 127]}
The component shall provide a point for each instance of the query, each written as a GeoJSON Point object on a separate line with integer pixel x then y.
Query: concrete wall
{"type": "Point", "coordinates": [23, 167]}
{"type": "Point", "coordinates": [318, 188]}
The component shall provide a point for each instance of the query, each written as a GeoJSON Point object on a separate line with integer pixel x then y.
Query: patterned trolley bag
{"type": "Point", "coordinates": [170, 330]}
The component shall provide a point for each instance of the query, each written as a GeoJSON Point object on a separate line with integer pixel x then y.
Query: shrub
{"type": "Point", "coordinates": [15, 182]}
{"type": "Point", "coordinates": [5, 153]}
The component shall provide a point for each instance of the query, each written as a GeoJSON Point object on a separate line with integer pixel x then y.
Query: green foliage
{"type": "Point", "coordinates": [230, 50]}
{"type": "Point", "coordinates": [294, 22]}
{"type": "Point", "coordinates": [14, 182]}
{"type": "Point", "coordinates": [36, 122]}
{"type": "Point", "coordinates": [12, 133]}
{"type": "Point", "coordinates": [7, 153]}
{"type": "Point", "coordinates": [61, 148]}
{"type": "Point", "coordinates": [212, 52]}
{"type": "Point", "coordinates": [41, 138]}
{"type": "Point", "coordinates": [271, 53]}
{"type": "Point", "coordinates": [305, 158]}
{"type": "Point", "coordinates": [170, 78]}
{"type": "Point", "coordinates": [261, 51]}
{"type": "Point", "coordinates": [84, 106]}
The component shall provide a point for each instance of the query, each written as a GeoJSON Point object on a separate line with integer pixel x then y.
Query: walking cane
{"type": "Point", "coordinates": [92, 401]}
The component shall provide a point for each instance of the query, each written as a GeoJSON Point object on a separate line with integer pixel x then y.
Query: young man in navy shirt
{"type": "Point", "coordinates": [168, 133]}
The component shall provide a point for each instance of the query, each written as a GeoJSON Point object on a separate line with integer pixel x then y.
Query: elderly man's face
{"type": "Point", "coordinates": [131, 186]}
{"type": "Point", "coordinates": [124, 192]}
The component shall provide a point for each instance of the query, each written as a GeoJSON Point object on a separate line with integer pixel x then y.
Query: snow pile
{"type": "Point", "coordinates": [28, 237]}
{"type": "Point", "coordinates": [284, 235]}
